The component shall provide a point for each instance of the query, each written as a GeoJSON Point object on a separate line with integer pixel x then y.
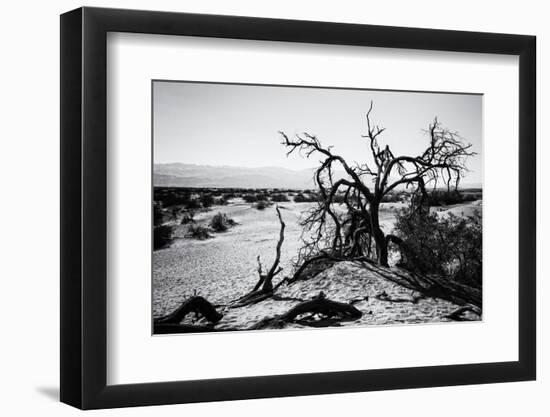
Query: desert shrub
{"type": "Point", "coordinates": [469, 197]}
{"type": "Point", "coordinates": [305, 198]}
{"type": "Point", "coordinates": [188, 217]}
{"type": "Point", "coordinates": [193, 204]}
{"type": "Point", "coordinates": [445, 198]}
{"type": "Point", "coordinates": [220, 201]}
{"type": "Point", "coordinates": [221, 222]}
{"type": "Point", "coordinates": [450, 245]}
{"type": "Point", "coordinates": [262, 197]}
{"type": "Point", "coordinates": [158, 216]}
{"type": "Point", "coordinates": [162, 236]}
{"type": "Point", "coordinates": [228, 196]}
{"type": "Point", "coordinates": [170, 197]}
{"type": "Point", "coordinates": [299, 198]}
{"type": "Point", "coordinates": [250, 198]}
{"type": "Point", "coordinates": [174, 211]}
{"type": "Point", "coordinates": [207, 200]}
{"type": "Point", "coordinates": [197, 232]}
{"type": "Point", "coordinates": [279, 197]}
{"type": "Point", "coordinates": [261, 205]}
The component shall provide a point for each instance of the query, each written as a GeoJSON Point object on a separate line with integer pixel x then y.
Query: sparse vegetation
{"type": "Point", "coordinates": [279, 198]}
{"type": "Point", "coordinates": [168, 196]}
{"type": "Point", "coordinates": [188, 217]}
{"type": "Point", "coordinates": [220, 201]}
{"type": "Point", "coordinates": [207, 200]}
{"type": "Point", "coordinates": [162, 236]}
{"type": "Point", "coordinates": [158, 216]}
{"type": "Point", "coordinates": [391, 238]}
{"type": "Point", "coordinates": [305, 198]}
{"type": "Point", "coordinates": [446, 197]}
{"type": "Point", "coordinates": [229, 196]}
{"type": "Point", "coordinates": [193, 204]}
{"type": "Point", "coordinates": [221, 222]}
{"type": "Point", "coordinates": [391, 198]}
{"type": "Point", "coordinates": [250, 198]}
{"type": "Point", "coordinates": [198, 232]}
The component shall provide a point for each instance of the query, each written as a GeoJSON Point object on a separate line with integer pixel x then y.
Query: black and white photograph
{"type": "Point", "coordinates": [284, 207]}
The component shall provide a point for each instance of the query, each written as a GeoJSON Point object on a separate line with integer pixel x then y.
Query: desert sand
{"type": "Point", "coordinates": [224, 268]}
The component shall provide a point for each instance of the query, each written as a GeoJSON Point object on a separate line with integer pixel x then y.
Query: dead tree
{"type": "Point", "coordinates": [264, 287]}
{"type": "Point", "coordinates": [171, 323]}
{"type": "Point", "coordinates": [357, 233]}
{"type": "Point", "coordinates": [317, 312]}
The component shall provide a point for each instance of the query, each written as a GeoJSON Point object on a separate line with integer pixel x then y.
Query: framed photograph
{"type": "Point", "coordinates": [256, 208]}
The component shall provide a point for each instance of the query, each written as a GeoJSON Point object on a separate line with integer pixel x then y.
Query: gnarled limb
{"type": "Point", "coordinates": [320, 310]}
{"type": "Point", "coordinates": [195, 304]}
{"type": "Point", "coordinates": [264, 287]}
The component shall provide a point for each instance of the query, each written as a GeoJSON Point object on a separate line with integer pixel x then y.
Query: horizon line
{"type": "Point", "coordinates": [233, 166]}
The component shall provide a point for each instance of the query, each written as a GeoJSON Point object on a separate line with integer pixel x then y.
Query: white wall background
{"type": "Point", "coordinates": [29, 225]}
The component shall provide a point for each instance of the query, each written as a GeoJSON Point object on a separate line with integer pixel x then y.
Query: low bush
{"type": "Point", "coordinates": [198, 232]}
{"type": "Point", "coordinates": [261, 205]}
{"type": "Point", "coordinates": [279, 198]}
{"type": "Point", "coordinates": [193, 204]}
{"type": "Point", "coordinates": [220, 201]}
{"type": "Point", "coordinates": [158, 215]}
{"type": "Point", "coordinates": [250, 198]}
{"type": "Point", "coordinates": [262, 197]}
{"type": "Point", "coordinates": [221, 222]}
{"type": "Point", "coordinates": [162, 236]}
{"type": "Point", "coordinates": [305, 198]}
{"type": "Point", "coordinates": [207, 200]}
{"type": "Point", "coordinates": [446, 198]}
{"type": "Point", "coordinates": [188, 217]}
{"type": "Point", "coordinates": [450, 245]}
{"type": "Point", "coordinates": [171, 197]}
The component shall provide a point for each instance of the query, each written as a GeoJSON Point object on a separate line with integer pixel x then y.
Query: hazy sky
{"type": "Point", "coordinates": [237, 125]}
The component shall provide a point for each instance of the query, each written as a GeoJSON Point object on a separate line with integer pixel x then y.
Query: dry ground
{"type": "Point", "coordinates": [223, 268]}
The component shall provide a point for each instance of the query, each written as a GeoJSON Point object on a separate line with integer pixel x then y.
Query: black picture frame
{"type": "Point", "coordinates": [84, 207]}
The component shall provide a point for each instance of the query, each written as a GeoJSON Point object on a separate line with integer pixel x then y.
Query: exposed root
{"type": "Point", "coordinates": [457, 315]}
{"type": "Point", "coordinates": [197, 305]}
{"type": "Point", "coordinates": [358, 300]}
{"type": "Point", "coordinates": [317, 312]}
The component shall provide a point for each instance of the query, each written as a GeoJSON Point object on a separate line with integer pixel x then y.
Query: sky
{"type": "Point", "coordinates": [237, 125]}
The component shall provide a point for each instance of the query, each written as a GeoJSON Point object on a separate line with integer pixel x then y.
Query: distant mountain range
{"type": "Point", "coordinates": [191, 175]}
